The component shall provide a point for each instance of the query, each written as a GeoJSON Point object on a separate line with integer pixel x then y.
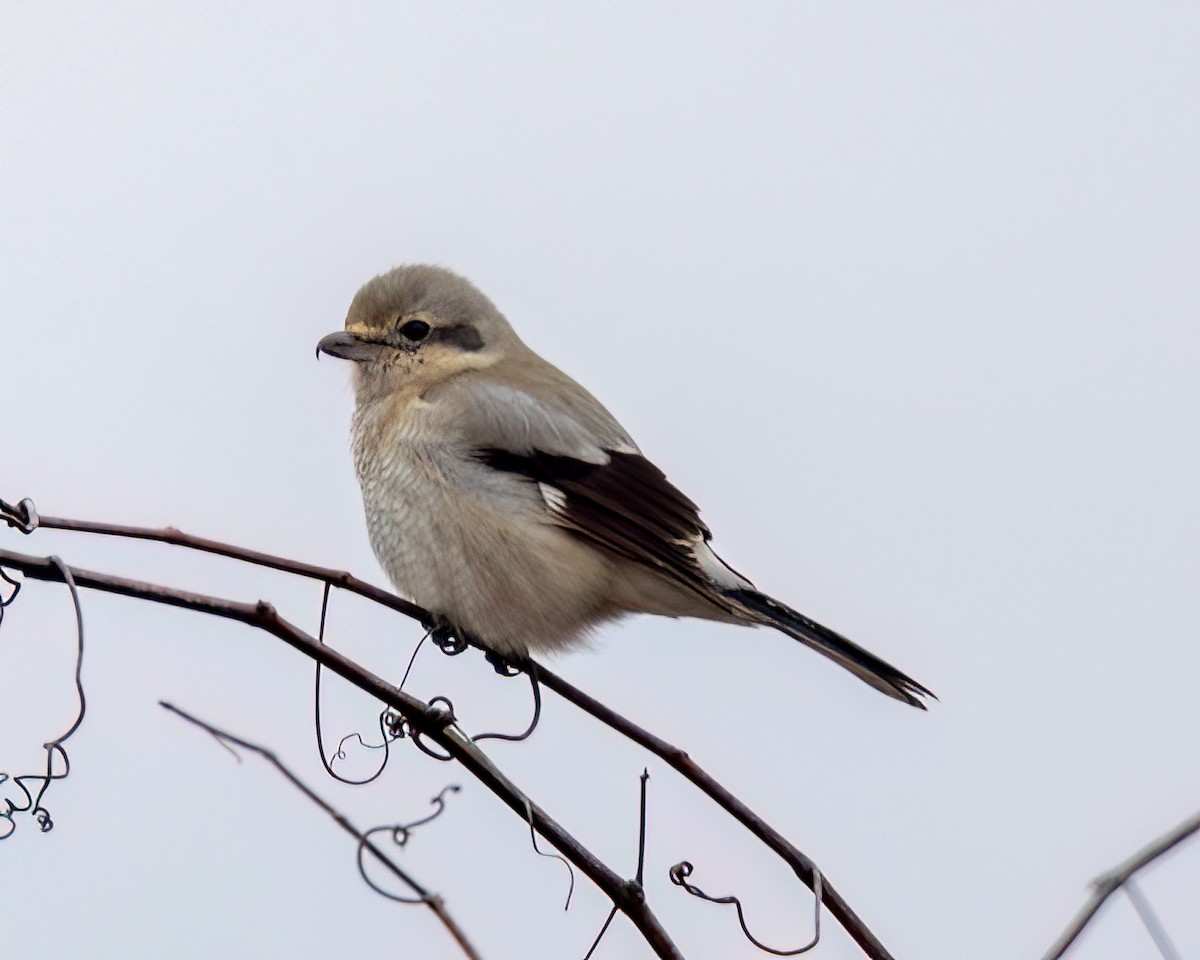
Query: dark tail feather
{"type": "Point", "coordinates": [866, 666]}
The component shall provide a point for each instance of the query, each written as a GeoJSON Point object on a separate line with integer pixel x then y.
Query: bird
{"type": "Point", "coordinates": [502, 497]}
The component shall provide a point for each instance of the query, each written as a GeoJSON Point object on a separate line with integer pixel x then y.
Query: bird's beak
{"type": "Point", "coordinates": [346, 346]}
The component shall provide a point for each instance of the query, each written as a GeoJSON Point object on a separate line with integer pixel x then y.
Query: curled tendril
{"type": "Point", "coordinates": [399, 835]}
{"type": "Point", "coordinates": [394, 723]}
{"type": "Point", "coordinates": [56, 755]}
{"type": "Point", "coordinates": [452, 642]}
{"type": "Point", "coordinates": [550, 854]}
{"type": "Point", "coordinates": [413, 658]}
{"type": "Point", "coordinates": [5, 601]}
{"type": "Point", "coordinates": [681, 871]}
{"type": "Point", "coordinates": [388, 734]}
{"type": "Point", "coordinates": [388, 730]}
{"type": "Point", "coordinates": [444, 709]}
{"type": "Point", "coordinates": [32, 804]}
{"type": "Point", "coordinates": [393, 726]}
{"type": "Point", "coordinates": [537, 711]}
{"type": "Point", "coordinates": [23, 516]}
{"type": "Point", "coordinates": [16, 588]}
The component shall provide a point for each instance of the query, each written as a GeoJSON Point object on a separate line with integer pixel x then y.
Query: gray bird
{"type": "Point", "coordinates": [502, 497]}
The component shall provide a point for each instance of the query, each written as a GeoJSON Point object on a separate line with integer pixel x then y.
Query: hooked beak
{"type": "Point", "coordinates": [346, 346]}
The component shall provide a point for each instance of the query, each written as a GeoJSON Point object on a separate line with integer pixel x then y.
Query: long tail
{"type": "Point", "coordinates": [866, 666]}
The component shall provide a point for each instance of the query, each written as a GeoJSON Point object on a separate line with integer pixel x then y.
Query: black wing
{"type": "Point", "coordinates": [626, 506]}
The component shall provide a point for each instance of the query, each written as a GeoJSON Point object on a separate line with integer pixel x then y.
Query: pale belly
{"type": "Point", "coordinates": [486, 559]}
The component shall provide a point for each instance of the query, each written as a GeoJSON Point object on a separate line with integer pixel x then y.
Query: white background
{"type": "Point", "coordinates": [904, 295]}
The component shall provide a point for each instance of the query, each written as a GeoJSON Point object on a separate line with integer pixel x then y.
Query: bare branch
{"type": "Point", "coordinates": [339, 578]}
{"type": "Point", "coordinates": [433, 901]}
{"type": "Point", "coordinates": [424, 719]}
{"type": "Point", "coordinates": [1109, 883]}
{"type": "Point", "coordinates": [803, 867]}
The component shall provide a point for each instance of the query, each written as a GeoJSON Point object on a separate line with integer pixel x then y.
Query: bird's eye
{"type": "Point", "coordinates": [415, 330]}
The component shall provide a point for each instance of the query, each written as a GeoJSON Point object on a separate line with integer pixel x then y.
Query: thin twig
{"type": "Point", "coordinates": [431, 900]}
{"type": "Point", "coordinates": [339, 578]}
{"type": "Point", "coordinates": [1150, 920]}
{"type": "Point", "coordinates": [639, 877]}
{"type": "Point", "coordinates": [1109, 883]}
{"type": "Point", "coordinates": [603, 930]}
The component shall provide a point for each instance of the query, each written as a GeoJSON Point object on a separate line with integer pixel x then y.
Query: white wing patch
{"type": "Point", "coordinates": [555, 499]}
{"type": "Point", "coordinates": [717, 569]}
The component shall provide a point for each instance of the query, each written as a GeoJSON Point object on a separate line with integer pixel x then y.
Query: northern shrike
{"type": "Point", "coordinates": [502, 497]}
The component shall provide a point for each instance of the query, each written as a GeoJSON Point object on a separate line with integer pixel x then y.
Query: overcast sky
{"type": "Point", "coordinates": [904, 295]}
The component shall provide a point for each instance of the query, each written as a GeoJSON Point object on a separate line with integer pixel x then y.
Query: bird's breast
{"type": "Point", "coordinates": [400, 488]}
{"type": "Point", "coordinates": [471, 543]}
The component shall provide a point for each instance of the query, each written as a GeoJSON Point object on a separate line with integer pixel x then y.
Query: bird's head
{"type": "Point", "coordinates": [417, 326]}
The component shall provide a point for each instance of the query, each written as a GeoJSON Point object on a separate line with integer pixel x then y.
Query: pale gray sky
{"type": "Point", "coordinates": [905, 296]}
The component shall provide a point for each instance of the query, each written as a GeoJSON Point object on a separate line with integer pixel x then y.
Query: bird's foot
{"type": "Point", "coordinates": [448, 638]}
{"type": "Point", "coordinates": [505, 666]}
{"type": "Point", "coordinates": [452, 641]}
